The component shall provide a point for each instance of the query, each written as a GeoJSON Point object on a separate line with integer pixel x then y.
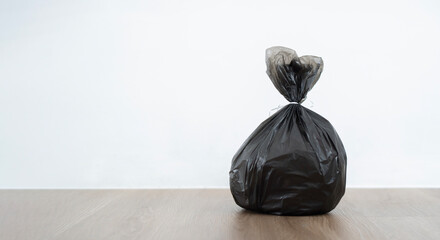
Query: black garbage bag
{"type": "Point", "coordinates": [294, 163]}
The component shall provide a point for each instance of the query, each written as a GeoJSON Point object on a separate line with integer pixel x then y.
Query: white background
{"type": "Point", "coordinates": [106, 94]}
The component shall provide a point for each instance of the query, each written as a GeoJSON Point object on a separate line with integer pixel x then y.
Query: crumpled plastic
{"type": "Point", "coordinates": [294, 163]}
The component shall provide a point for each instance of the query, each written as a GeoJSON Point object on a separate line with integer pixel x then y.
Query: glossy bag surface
{"type": "Point", "coordinates": [294, 163]}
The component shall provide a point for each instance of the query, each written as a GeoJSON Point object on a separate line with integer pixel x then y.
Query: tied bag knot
{"type": "Point", "coordinates": [292, 76]}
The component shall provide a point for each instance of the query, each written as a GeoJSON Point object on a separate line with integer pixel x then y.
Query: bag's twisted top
{"type": "Point", "coordinates": [293, 76]}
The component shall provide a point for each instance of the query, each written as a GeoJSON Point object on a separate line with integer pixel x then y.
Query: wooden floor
{"type": "Point", "coordinates": [210, 214]}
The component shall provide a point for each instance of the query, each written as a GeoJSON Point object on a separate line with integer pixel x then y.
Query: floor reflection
{"type": "Point", "coordinates": [251, 225]}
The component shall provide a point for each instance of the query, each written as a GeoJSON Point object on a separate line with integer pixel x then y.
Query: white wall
{"type": "Point", "coordinates": [162, 93]}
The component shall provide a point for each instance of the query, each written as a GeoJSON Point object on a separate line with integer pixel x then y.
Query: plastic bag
{"type": "Point", "coordinates": [294, 163]}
